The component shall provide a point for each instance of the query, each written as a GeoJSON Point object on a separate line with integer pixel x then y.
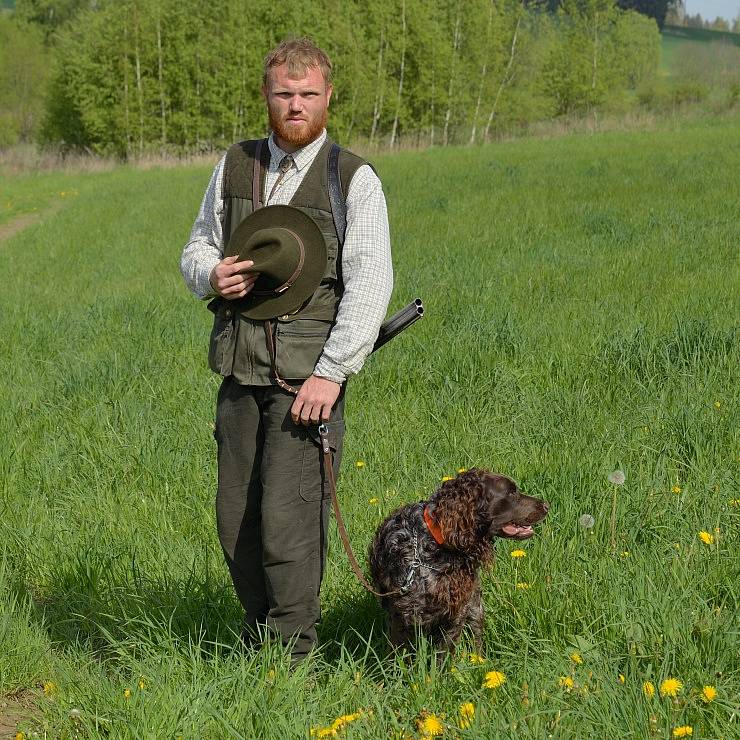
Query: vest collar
{"type": "Point", "coordinates": [433, 527]}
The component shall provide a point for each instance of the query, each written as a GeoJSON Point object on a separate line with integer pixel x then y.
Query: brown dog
{"type": "Point", "coordinates": [429, 554]}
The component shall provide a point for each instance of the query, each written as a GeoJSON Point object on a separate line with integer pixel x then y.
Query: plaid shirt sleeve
{"type": "Point", "coordinates": [205, 248]}
{"type": "Point", "coordinates": [368, 280]}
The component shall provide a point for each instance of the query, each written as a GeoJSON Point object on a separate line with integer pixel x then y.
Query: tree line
{"type": "Point", "coordinates": [133, 76]}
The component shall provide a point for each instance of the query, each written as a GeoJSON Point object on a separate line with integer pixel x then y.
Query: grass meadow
{"type": "Point", "coordinates": [582, 311]}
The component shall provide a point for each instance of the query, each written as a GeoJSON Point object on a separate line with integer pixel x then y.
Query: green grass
{"type": "Point", "coordinates": [582, 303]}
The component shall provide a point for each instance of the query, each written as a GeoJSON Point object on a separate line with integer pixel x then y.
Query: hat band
{"type": "Point", "coordinates": [296, 272]}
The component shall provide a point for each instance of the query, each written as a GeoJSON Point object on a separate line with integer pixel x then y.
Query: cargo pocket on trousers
{"type": "Point", "coordinates": [221, 347]}
{"type": "Point", "coordinates": [314, 484]}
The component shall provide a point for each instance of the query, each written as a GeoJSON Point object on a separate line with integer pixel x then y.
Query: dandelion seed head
{"type": "Point", "coordinates": [586, 521]}
{"type": "Point", "coordinates": [617, 477]}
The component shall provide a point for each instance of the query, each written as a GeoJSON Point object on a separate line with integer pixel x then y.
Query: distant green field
{"type": "Point", "coordinates": [677, 40]}
{"type": "Point", "coordinates": [582, 299]}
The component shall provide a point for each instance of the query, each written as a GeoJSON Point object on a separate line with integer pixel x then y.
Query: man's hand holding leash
{"type": "Point", "coordinates": [314, 401]}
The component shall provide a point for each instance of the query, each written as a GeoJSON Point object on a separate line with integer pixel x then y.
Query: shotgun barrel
{"type": "Point", "coordinates": [398, 322]}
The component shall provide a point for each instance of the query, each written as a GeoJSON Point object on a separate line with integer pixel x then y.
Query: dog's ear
{"type": "Point", "coordinates": [456, 509]}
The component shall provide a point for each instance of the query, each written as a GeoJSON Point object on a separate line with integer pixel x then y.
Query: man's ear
{"type": "Point", "coordinates": [329, 91]}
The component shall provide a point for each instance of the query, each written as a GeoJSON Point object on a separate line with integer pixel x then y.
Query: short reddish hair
{"type": "Point", "coordinates": [299, 55]}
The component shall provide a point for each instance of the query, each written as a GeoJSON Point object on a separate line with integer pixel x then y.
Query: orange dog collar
{"type": "Point", "coordinates": [433, 527]}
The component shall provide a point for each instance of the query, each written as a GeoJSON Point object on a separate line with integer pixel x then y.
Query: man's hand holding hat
{"type": "Point", "coordinates": [229, 278]}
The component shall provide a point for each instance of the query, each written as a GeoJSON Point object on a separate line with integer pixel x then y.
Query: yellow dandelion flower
{"type": "Point", "coordinates": [373, 501]}
{"type": "Point", "coordinates": [360, 464]}
{"type": "Point", "coordinates": [576, 658]}
{"type": "Point", "coordinates": [706, 537]}
{"type": "Point", "coordinates": [522, 586]}
{"type": "Point", "coordinates": [717, 404]}
{"type": "Point", "coordinates": [271, 674]}
{"type": "Point", "coordinates": [20, 736]}
{"type": "Point", "coordinates": [127, 693]}
{"type": "Point", "coordinates": [734, 502]}
{"type": "Point", "coordinates": [676, 489]}
{"type": "Point", "coordinates": [476, 659]}
{"type": "Point", "coordinates": [142, 684]}
{"type": "Point", "coordinates": [670, 687]}
{"type": "Point", "coordinates": [625, 553]}
{"type": "Point", "coordinates": [518, 554]}
{"type": "Point", "coordinates": [708, 693]}
{"type": "Point", "coordinates": [466, 714]}
{"type": "Point", "coordinates": [462, 470]}
{"type": "Point", "coordinates": [430, 726]}
{"type": "Point", "coordinates": [683, 731]}
{"type": "Point", "coordinates": [621, 678]}
{"type": "Point", "coordinates": [566, 682]}
{"type": "Point", "coordinates": [323, 732]}
{"type": "Point", "coordinates": [493, 680]}
{"type": "Point", "coordinates": [648, 689]}
{"type": "Point", "coordinates": [445, 478]}
{"type": "Point", "coordinates": [50, 688]}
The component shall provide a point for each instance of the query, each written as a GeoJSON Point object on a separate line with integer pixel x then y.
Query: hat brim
{"type": "Point", "coordinates": [261, 307]}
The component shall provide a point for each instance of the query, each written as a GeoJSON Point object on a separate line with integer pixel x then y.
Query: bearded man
{"type": "Point", "coordinates": [299, 289]}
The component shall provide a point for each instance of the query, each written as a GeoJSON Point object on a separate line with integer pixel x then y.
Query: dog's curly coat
{"type": "Point", "coordinates": [443, 596]}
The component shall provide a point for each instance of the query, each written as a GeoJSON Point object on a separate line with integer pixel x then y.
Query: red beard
{"type": "Point", "coordinates": [298, 136]}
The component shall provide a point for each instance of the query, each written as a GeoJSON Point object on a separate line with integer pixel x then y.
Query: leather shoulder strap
{"type": "Point", "coordinates": [336, 197]}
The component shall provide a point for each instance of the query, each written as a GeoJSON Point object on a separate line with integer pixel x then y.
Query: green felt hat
{"type": "Point", "coordinates": [289, 253]}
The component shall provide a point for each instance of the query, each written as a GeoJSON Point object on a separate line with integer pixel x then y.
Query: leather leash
{"type": "Point", "coordinates": [329, 468]}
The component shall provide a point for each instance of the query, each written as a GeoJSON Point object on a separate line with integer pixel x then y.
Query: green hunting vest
{"type": "Point", "coordinates": [238, 345]}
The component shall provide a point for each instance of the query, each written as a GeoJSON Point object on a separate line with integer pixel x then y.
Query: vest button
{"type": "Point", "coordinates": [228, 313]}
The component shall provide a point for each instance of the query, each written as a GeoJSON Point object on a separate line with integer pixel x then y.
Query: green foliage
{"type": "Point", "coordinates": [23, 77]}
{"type": "Point", "coordinates": [172, 75]}
{"type": "Point", "coordinates": [582, 303]}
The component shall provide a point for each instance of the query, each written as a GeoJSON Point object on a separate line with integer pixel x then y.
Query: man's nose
{"type": "Point", "coordinates": [296, 103]}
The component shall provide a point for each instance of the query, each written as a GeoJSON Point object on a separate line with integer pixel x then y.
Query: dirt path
{"type": "Point", "coordinates": [14, 226]}
{"type": "Point", "coordinates": [13, 711]}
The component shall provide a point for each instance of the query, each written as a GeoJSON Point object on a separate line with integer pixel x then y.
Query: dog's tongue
{"type": "Point", "coordinates": [514, 530]}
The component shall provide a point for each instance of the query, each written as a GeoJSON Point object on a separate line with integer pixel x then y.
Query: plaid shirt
{"type": "Point", "coordinates": [366, 256]}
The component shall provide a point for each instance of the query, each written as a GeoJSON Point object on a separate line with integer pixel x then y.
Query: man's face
{"type": "Point", "coordinates": [297, 107]}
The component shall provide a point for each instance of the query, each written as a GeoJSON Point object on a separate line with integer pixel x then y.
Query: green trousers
{"type": "Point", "coordinates": [272, 509]}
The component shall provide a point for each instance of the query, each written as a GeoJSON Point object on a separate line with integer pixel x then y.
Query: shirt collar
{"type": "Point", "coordinates": [302, 158]}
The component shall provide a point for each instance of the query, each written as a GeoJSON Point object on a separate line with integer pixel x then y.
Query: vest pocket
{"type": "Point", "coordinates": [314, 481]}
{"type": "Point", "coordinates": [223, 336]}
{"type": "Point", "coordinates": [298, 346]}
